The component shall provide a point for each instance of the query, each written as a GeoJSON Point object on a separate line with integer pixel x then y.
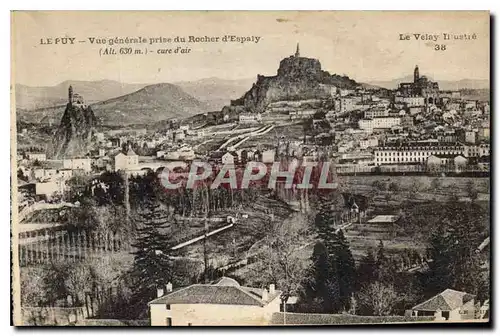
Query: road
{"type": "Point", "coordinates": [203, 236]}
{"type": "Point", "coordinates": [244, 137]}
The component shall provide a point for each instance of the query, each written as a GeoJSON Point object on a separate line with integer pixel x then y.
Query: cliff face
{"type": "Point", "coordinates": [297, 78]}
{"type": "Point", "coordinates": [74, 135]}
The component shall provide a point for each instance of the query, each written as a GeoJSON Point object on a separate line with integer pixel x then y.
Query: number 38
{"type": "Point", "coordinates": [440, 47]}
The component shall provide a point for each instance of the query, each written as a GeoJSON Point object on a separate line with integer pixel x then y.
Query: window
{"type": "Point", "coordinates": [168, 307]}
{"type": "Point", "coordinates": [169, 321]}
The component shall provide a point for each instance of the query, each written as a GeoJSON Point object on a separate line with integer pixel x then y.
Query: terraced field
{"type": "Point", "coordinates": [363, 236]}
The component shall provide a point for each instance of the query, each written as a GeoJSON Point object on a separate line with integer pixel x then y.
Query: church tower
{"type": "Point", "coordinates": [416, 75]}
{"type": "Point", "coordinates": [70, 94]}
{"type": "Point", "coordinates": [297, 52]}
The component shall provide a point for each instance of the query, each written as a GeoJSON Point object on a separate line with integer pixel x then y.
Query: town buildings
{"type": "Point", "coordinates": [420, 87]}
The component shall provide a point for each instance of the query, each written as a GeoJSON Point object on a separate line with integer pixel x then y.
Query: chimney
{"type": "Point", "coordinates": [159, 292]}
{"type": "Point", "coordinates": [272, 289]}
{"type": "Point", "coordinates": [265, 295]}
{"type": "Point", "coordinates": [169, 287]}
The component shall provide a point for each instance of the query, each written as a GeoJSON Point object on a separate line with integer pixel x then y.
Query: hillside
{"type": "Point", "coordinates": [147, 105]}
{"type": "Point", "coordinates": [150, 104]}
{"type": "Point", "coordinates": [216, 92]}
{"type": "Point", "coordinates": [29, 97]}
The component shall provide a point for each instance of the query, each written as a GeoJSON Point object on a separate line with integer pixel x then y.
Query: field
{"type": "Point", "coordinates": [445, 185]}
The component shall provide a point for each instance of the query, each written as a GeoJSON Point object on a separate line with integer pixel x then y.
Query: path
{"type": "Point", "coordinates": [203, 236]}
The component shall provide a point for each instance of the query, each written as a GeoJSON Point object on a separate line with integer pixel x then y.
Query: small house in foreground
{"type": "Point", "coordinates": [223, 303]}
{"type": "Point", "coordinates": [449, 305]}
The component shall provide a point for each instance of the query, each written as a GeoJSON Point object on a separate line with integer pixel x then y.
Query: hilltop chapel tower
{"type": "Point", "coordinates": [297, 52]}
{"type": "Point", "coordinates": [416, 75]}
{"type": "Point", "coordinates": [70, 94]}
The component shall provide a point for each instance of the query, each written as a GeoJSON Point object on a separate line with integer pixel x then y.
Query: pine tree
{"type": "Point", "coordinates": [386, 271]}
{"type": "Point", "coordinates": [455, 264]}
{"type": "Point", "coordinates": [340, 259]}
{"type": "Point", "coordinates": [345, 268]}
{"type": "Point", "coordinates": [440, 276]}
{"type": "Point", "coordinates": [316, 285]}
{"type": "Point", "coordinates": [153, 263]}
{"type": "Point", "coordinates": [381, 258]}
{"type": "Point", "coordinates": [367, 269]}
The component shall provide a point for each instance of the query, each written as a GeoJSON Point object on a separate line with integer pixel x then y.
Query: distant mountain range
{"type": "Point", "coordinates": [216, 92]}
{"type": "Point", "coordinates": [118, 103]}
{"type": "Point", "coordinates": [443, 85]}
{"type": "Point", "coordinates": [29, 97]}
{"type": "Point", "coordinates": [149, 104]}
{"type": "Point", "coordinates": [115, 102]}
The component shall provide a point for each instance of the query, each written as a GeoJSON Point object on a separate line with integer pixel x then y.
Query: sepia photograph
{"type": "Point", "coordinates": [250, 168]}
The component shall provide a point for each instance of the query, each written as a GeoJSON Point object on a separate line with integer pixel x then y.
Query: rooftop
{"type": "Point", "coordinates": [447, 300]}
{"type": "Point", "coordinates": [225, 291]}
{"type": "Point", "coordinates": [383, 219]}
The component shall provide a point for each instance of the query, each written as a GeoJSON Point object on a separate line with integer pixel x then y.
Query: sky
{"type": "Point", "coordinates": [364, 45]}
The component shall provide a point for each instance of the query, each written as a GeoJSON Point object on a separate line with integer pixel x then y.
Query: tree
{"type": "Point", "coordinates": [367, 269]}
{"type": "Point", "coordinates": [78, 280]}
{"type": "Point", "coordinates": [381, 258]}
{"type": "Point", "coordinates": [386, 270]}
{"type": "Point", "coordinates": [320, 289]}
{"type": "Point", "coordinates": [153, 263]}
{"type": "Point", "coordinates": [380, 185]}
{"type": "Point", "coordinates": [32, 286]}
{"type": "Point", "coordinates": [339, 256]}
{"type": "Point", "coordinates": [54, 281]}
{"type": "Point", "coordinates": [435, 184]}
{"type": "Point", "coordinates": [472, 191]}
{"type": "Point", "coordinates": [393, 186]}
{"type": "Point", "coordinates": [345, 269]}
{"type": "Point", "coordinates": [377, 299]}
{"type": "Point", "coordinates": [455, 263]}
{"type": "Point", "coordinates": [20, 174]}
{"type": "Point", "coordinates": [282, 264]}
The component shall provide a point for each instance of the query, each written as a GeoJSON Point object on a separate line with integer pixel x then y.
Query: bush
{"type": "Point", "coordinates": [393, 186]}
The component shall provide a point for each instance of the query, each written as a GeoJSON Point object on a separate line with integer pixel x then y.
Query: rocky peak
{"type": "Point", "coordinates": [74, 134]}
{"type": "Point", "coordinates": [297, 78]}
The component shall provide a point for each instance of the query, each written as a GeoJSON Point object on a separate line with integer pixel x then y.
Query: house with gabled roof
{"type": "Point", "coordinates": [448, 305]}
{"type": "Point", "coordinates": [223, 302]}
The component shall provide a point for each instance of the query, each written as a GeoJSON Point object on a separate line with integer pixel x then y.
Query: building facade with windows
{"type": "Point", "coordinates": [414, 153]}
{"type": "Point", "coordinates": [379, 123]}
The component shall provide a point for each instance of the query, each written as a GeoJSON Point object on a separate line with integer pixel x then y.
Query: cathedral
{"type": "Point", "coordinates": [420, 87]}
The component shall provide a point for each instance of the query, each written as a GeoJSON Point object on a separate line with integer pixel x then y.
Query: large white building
{"type": "Point", "coordinates": [368, 142]}
{"type": "Point", "coordinates": [222, 303]}
{"type": "Point", "coordinates": [477, 150]}
{"type": "Point", "coordinates": [379, 123]}
{"type": "Point", "coordinates": [348, 104]}
{"type": "Point", "coordinates": [376, 113]}
{"type": "Point", "coordinates": [84, 164]}
{"type": "Point", "coordinates": [414, 153]}
{"type": "Point", "coordinates": [36, 156]}
{"type": "Point", "coordinates": [248, 118]}
{"type": "Point", "coordinates": [410, 100]}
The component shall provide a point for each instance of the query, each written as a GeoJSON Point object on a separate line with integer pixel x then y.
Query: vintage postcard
{"type": "Point", "coordinates": [246, 168]}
